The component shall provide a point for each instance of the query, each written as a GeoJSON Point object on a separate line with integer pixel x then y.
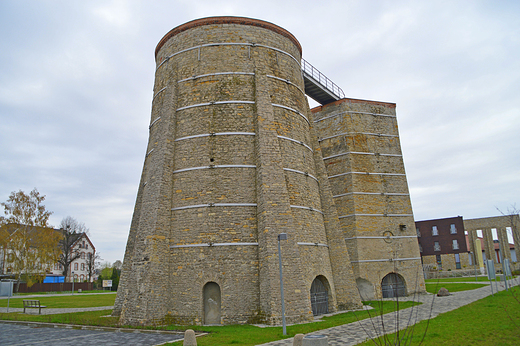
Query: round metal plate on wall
{"type": "Point", "coordinates": [388, 236]}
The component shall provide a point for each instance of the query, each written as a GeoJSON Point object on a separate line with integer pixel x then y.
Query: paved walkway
{"type": "Point", "coordinates": [19, 333]}
{"type": "Point", "coordinates": [357, 332]}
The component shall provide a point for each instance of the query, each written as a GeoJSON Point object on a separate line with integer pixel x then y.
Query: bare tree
{"type": "Point", "coordinates": [71, 230]}
{"type": "Point", "coordinates": [93, 262]}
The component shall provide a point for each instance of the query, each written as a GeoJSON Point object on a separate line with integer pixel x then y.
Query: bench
{"type": "Point", "coordinates": [32, 304]}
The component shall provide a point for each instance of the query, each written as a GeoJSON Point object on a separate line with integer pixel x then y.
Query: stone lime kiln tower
{"type": "Point", "coordinates": [234, 160]}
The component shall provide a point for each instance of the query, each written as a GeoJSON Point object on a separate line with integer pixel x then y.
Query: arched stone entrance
{"type": "Point", "coordinates": [212, 303]}
{"type": "Point", "coordinates": [319, 296]}
{"type": "Point", "coordinates": [393, 285]}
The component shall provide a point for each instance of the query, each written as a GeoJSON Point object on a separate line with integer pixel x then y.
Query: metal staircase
{"type": "Point", "coordinates": [318, 86]}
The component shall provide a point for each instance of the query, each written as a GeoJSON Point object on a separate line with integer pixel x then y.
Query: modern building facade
{"type": "Point", "coordinates": [442, 243]}
{"type": "Point", "coordinates": [233, 161]}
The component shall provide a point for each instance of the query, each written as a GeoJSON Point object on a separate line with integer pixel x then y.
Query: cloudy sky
{"type": "Point", "coordinates": [76, 81]}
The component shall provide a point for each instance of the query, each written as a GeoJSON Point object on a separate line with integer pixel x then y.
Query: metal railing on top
{"type": "Point", "coordinates": [322, 79]}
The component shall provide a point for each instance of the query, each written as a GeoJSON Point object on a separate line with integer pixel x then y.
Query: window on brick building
{"type": "Point", "coordinates": [75, 266]}
{"type": "Point", "coordinates": [453, 229]}
{"type": "Point", "coordinates": [82, 255]}
{"type": "Point", "coordinates": [457, 261]}
{"type": "Point", "coordinates": [436, 246]}
{"type": "Point", "coordinates": [439, 261]}
{"type": "Point", "coordinates": [82, 266]}
{"type": "Point", "coordinates": [435, 231]}
{"type": "Point", "coordinates": [455, 244]}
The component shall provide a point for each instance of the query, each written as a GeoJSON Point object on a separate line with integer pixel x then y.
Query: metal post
{"type": "Point", "coordinates": [282, 236]}
{"type": "Point", "coordinates": [9, 294]}
{"type": "Point", "coordinates": [72, 283]}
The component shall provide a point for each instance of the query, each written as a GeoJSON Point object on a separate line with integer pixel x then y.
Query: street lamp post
{"type": "Point", "coordinates": [282, 236]}
{"type": "Point", "coordinates": [72, 283]}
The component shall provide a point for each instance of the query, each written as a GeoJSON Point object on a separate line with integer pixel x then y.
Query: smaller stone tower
{"type": "Point", "coordinates": [362, 154]}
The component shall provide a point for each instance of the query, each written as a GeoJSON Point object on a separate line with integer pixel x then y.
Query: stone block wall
{"type": "Point", "coordinates": [231, 163]}
{"type": "Point", "coordinates": [361, 150]}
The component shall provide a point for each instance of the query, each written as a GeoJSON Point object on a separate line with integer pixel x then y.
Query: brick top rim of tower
{"type": "Point", "coordinates": [227, 20]}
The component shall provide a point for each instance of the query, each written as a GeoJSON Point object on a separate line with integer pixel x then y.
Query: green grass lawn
{"type": "Point", "coordinates": [452, 287]}
{"type": "Point", "coordinates": [69, 301]}
{"type": "Point", "coordinates": [247, 335]}
{"type": "Point", "coordinates": [463, 279]}
{"type": "Point", "coordinates": [243, 335]}
{"type": "Point", "coordinates": [494, 320]}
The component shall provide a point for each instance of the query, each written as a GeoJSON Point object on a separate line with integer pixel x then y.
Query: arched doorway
{"type": "Point", "coordinates": [212, 303]}
{"type": "Point", "coordinates": [393, 286]}
{"type": "Point", "coordinates": [319, 296]}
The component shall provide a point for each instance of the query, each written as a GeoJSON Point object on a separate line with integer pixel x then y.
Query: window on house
{"type": "Point", "coordinates": [453, 229]}
{"type": "Point", "coordinates": [82, 255]}
{"type": "Point", "coordinates": [455, 244]}
{"type": "Point", "coordinates": [434, 230]}
{"type": "Point", "coordinates": [75, 266]}
{"type": "Point", "coordinates": [439, 261]}
{"type": "Point", "coordinates": [86, 246]}
{"type": "Point", "coordinates": [418, 232]}
{"type": "Point", "coordinates": [82, 266]}
{"type": "Point", "coordinates": [83, 243]}
{"type": "Point", "coordinates": [457, 261]}
{"type": "Point", "coordinates": [436, 246]}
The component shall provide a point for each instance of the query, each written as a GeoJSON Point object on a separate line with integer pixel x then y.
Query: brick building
{"type": "Point", "coordinates": [235, 158]}
{"type": "Point", "coordinates": [442, 243]}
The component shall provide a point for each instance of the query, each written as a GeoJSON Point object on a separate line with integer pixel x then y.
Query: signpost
{"type": "Point", "coordinates": [107, 283]}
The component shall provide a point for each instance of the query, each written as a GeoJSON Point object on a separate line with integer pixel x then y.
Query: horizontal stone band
{"type": "Point", "coordinates": [354, 112]}
{"type": "Point", "coordinates": [214, 103]}
{"type": "Point", "coordinates": [212, 166]}
{"type": "Point", "coordinates": [367, 173]}
{"type": "Point", "coordinates": [296, 141]}
{"type": "Point", "coordinates": [292, 110]}
{"type": "Point", "coordinates": [313, 244]}
{"type": "Point", "coordinates": [287, 81]}
{"type": "Point", "coordinates": [157, 93]}
{"type": "Point", "coordinates": [388, 260]}
{"type": "Point", "coordinates": [153, 122]}
{"type": "Point", "coordinates": [371, 193]}
{"type": "Point", "coordinates": [382, 237]}
{"type": "Point", "coordinates": [217, 134]}
{"type": "Point", "coordinates": [360, 153]}
{"type": "Point", "coordinates": [216, 74]}
{"type": "Point", "coordinates": [300, 172]}
{"type": "Point", "coordinates": [306, 208]}
{"type": "Point", "coordinates": [358, 133]}
{"type": "Point", "coordinates": [207, 205]}
{"type": "Point", "coordinates": [226, 44]}
{"type": "Point", "coordinates": [391, 215]}
{"type": "Point", "coordinates": [212, 244]}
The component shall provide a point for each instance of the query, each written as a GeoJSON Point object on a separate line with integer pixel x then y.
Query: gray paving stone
{"type": "Point", "coordinates": [12, 334]}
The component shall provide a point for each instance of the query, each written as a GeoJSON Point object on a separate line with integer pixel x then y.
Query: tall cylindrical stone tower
{"type": "Point", "coordinates": [232, 162]}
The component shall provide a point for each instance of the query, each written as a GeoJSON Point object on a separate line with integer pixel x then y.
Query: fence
{"type": "Point", "coordinates": [54, 287]}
